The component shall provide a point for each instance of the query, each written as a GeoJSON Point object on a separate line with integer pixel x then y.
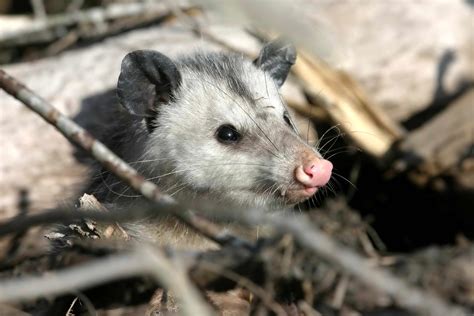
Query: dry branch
{"type": "Point", "coordinates": [308, 236]}
{"type": "Point", "coordinates": [141, 261]}
{"type": "Point", "coordinates": [453, 144]}
{"type": "Point", "coordinates": [370, 128]}
{"type": "Point", "coordinates": [107, 158]}
{"type": "Point", "coordinates": [46, 29]}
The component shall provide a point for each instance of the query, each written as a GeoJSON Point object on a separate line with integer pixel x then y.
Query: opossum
{"type": "Point", "coordinates": [210, 128]}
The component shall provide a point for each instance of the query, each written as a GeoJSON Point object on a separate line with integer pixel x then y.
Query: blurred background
{"type": "Point", "coordinates": [386, 88]}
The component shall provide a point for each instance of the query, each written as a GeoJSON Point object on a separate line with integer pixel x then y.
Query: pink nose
{"type": "Point", "coordinates": [315, 173]}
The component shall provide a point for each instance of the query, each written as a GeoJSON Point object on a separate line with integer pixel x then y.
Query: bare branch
{"type": "Point", "coordinates": [141, 261]}
{"type": "Point", "coordinates": [38, 9]}
{"type": "Point", "coordinates": [107, 158]}
{"type": "Point", "coordinates": [44, 29]}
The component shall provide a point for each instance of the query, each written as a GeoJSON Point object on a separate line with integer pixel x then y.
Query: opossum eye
{"type": "Point", "coordinates": [227, 134]}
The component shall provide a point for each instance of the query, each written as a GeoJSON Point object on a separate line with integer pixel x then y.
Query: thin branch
{"type": "Point", "coordinates": [66, 216]}
{"type": "Point", "coordinates": [172, 275]}
{"type": "Point", "coordinates": [141, 261]}
{"type": "Point", "coordinates": [245, 282]}
{"type": "Point", "coordinates": [107, 158]}
{"type": "Point", "coordinates": [38, 9]}
{"type": "Point", "coordinates": [45, 29]}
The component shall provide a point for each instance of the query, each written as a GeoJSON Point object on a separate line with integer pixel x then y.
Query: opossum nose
{"type": "Point", "coordinates": [315, 173]}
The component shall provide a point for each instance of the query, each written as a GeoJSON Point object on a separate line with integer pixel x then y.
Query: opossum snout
{"type": "Point", "coordinates": [314, 173]}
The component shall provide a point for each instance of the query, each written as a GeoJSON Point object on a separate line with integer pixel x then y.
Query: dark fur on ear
{"type": "Point", "coordinates": [147, 79]}
{"type": "Point", "coordinates": [276, 58]}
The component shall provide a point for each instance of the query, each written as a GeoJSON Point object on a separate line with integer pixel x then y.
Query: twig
{"type": "Point", "coordinates": [172, 276]}
{"type": "Point", "coordinates": [143, 260]}
{"type": "Point", "coordinates": [38, 9]}
{"type": "Point", "coordinates": [245, 282]}
{"type": "Point", "coordinates": [23, 206]}
{"type": "Point", "coordinates": [108, 159]}
{"type": "Point", "coordinates": [340, 292]}
{"type": "Point", "coordinates": [46, 29]}
{"type": "Point", "coordinates": [66, 216]}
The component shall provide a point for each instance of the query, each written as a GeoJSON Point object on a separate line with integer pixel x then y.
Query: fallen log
{"type": "Point", "coordinates": [442, 144]}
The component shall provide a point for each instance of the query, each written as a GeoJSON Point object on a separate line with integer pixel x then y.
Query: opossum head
{"type": "Point", "coordinates": [219, 129]}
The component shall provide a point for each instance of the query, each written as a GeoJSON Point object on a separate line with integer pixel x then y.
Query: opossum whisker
{"type": "Point", "coordinates": [268, 149]}
{"type": "Point", "coordinates": [109, 187]}
{"type": "Point", "coordinates": [131, 163]}
{"type": "Point", "coordinates": [172, 186]}
{"type": "Point", "coordinates": [246, 113]}
{"type": "Point", "coordinates": [287, 187]}
{"type": "Point", "coordinates": [299, 207]}
{"type": "Point", "coordinates": [277, 189]}
{"type": "Point", "coordinates": [307, 131]}
{"type": "Point", "coordinates": [196, 167]}
{"type": "Point", "coordinates": [266, 139]}
{"type": "Point", "coordinates": [331, 141]}
{"type": "Point", "coordinates": [261, 188]}
{"type": "Point", "coordinates": [318, 199]}
{"type": "Point", "coordinates": [315, 201]}
{"type": "Point", "coordinates": [271, 189]}
{"type": "Point", "coordinates": [348, 147]}
{"type": "Point", "coordinates": [338, 153]}
{"type": "Point", "coordinates": [148, 160]}
{"type": "Point", "coordinates": [268, 192]}
{"type": "Point", "coordinates": [345, 179]}
{"type": "Point", "coordinates": [323, 192]}
{"type": "Point", "coordinates": [178, 190]}
{"type": "Point", "coordinates": [324, 134]}
{"type": "Point", "coordinates": [309, 121]}
{"type": "Point", "coordinates": [336, 183]}
{"type": "Point", "coordinates": [329, 188]}
{"type": "Point", "coordinates": [294, 125]}
{"type": "Point", "coordinates": [266, 85]}
{"type": "Point", "coordinates": [366, 133]}
{"type": "Point", "coordinates": [177, 187]}
{"type": "Point", "coordinates": [120, 194]}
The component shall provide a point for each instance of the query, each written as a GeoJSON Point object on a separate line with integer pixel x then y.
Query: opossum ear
{"type": "Point", "coordinates": [276, 58]}
{"type": "Point", "coordinates": [147, 78]}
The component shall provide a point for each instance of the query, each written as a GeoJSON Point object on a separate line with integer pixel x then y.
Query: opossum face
{"type": "Point", "coordinates": [219, 129]}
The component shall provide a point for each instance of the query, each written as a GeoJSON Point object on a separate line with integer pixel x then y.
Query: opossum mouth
{"type": "Point", "coordinates": [298, 194]}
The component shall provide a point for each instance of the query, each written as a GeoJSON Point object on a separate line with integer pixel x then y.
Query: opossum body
{"type": "Point", "coordinates": [211, 128]}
